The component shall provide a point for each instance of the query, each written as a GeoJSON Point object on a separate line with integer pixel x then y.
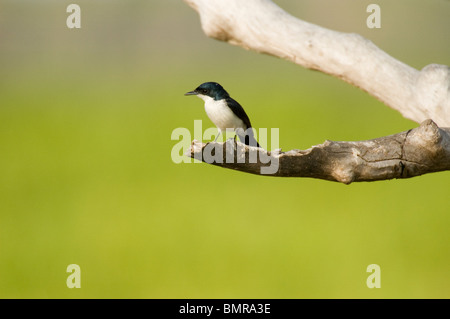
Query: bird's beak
{"type": "Point", "coordinates": [191, 93]}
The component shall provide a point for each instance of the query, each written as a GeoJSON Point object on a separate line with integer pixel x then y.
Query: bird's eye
{"type": "Point", "coordinates": [204, 91]}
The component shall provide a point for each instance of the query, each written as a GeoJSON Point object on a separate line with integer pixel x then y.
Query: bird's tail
{"type": "Point", "coordinates": [248, 138]}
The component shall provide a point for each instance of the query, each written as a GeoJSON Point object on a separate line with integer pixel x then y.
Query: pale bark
{"type": "Point", "coordinates": [422, 96]}
{"type": "Point", "coordinates": [262, 26]}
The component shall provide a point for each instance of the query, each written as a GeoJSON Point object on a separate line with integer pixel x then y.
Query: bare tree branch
{"type": "Point", "coordinates": [419, 151]}
{"type": "Point", "coordinates": [262, 26]}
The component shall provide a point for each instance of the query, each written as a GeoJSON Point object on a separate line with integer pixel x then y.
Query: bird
{"type": "Point", "coordinates": [225, 112]}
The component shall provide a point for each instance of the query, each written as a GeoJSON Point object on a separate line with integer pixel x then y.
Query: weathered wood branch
{"type": "Point", "coordinates": [419, 151]}
{"type": "Point", "coordinates": [262, 26]}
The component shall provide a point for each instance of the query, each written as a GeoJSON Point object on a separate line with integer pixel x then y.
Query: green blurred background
{"type": "Point", "coordinates": [86, 175]}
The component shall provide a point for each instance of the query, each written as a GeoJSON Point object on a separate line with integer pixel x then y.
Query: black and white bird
{"type": "Point", "coordinates": [224, 112]}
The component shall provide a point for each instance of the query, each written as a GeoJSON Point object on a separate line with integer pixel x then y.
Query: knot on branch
{"type": "Point", "coordinates": [433, 91]}
{"type": "Point", "coordinates": [427, 146]}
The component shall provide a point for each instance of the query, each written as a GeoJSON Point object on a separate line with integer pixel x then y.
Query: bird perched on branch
{"type": "Point", "coordinates": [225, 112]}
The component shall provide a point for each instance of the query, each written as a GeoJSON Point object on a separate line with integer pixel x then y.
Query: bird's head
{"type": "Point", "coordinates": [209, 89]}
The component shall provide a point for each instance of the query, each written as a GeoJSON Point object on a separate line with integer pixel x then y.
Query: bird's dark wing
{"type": "Point", "coordinates": [239, 111]}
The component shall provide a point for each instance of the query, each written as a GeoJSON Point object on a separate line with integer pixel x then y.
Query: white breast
{"type": "Point", "coordinates": [220, 114]}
